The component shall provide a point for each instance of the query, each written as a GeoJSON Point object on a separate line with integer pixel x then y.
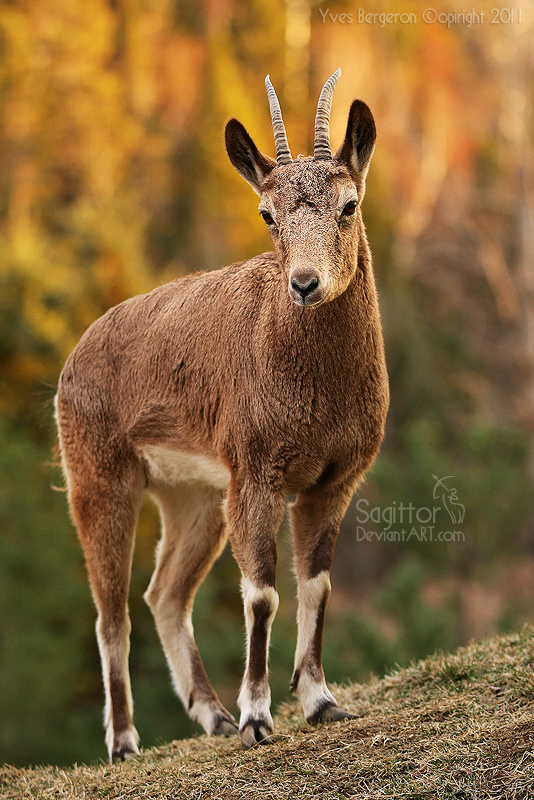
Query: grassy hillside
{"type": "Point", "coordinates": [452, 726]}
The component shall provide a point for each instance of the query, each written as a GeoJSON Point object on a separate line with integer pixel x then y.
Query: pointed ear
{"type": "Point", "coordinates": [356, 151]}
{"type": "Point", "coordinates": [252, 165]}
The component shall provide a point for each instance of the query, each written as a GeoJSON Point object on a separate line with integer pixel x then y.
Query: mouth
{"type": "Point", "coordinates": [306, 302]}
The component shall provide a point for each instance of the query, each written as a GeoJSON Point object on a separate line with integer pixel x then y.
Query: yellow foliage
{"type": "Point", "coordinates": [113, 174]}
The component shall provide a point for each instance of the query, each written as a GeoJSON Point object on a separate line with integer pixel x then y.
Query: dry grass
{"type": "Point", "coordinates": [452, 726]}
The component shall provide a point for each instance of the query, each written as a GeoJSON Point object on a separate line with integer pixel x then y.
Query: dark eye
{"type": "Point", "coordinates": [349, 209]}
{"type": "Point", "coordinates": [267, 217]}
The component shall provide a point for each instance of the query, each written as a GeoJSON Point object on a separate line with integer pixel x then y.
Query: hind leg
{"type": "Point", "coordinates": [105, 512]}
{"type": "Point", "coordinates": [193, 537]}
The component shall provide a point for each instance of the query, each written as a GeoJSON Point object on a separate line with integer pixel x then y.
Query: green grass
{"type": "Point", "coordinates": [451, 726]}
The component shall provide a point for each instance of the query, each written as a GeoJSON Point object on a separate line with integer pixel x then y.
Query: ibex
{"type": "Point", "coordinates": [221, 394]}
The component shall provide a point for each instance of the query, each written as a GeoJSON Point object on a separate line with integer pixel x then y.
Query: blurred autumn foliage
{"type": "Point", "coordinates": [114, 178]}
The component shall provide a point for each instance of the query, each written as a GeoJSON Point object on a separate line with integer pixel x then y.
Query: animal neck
{"type": "Point", "coordinates": [334, 331]}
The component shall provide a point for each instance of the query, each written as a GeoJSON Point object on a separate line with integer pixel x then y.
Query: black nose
{"type": "Point", "coordinates": [304, 288]}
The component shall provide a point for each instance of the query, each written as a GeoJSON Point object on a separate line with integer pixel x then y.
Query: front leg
{"type": "Point", "coordinates": [254, 516]}
{"type": "Point", "coordinates": [316, 516]}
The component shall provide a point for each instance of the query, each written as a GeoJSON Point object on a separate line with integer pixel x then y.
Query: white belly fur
{"type": "Point", "coordinates": [175, 466]}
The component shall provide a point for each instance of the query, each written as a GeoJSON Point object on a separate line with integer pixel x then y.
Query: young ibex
{"type": "Point", "coordinates": [221, 394]}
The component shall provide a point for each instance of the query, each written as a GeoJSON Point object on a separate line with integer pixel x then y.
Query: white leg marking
{"type": "Point", "coordinates": [311, 690]}
{"type": "Point", "coordinates": [116, 654]}
{"type": "Point", "coordinates": [254, 700]}
{"type": "Point", "coordinates": [313, 694]}
{"type": "Point", "coordinates": [311, 594]}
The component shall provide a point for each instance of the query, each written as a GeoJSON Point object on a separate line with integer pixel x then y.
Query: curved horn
{"type": "Point", "coordinates": [283, 154]}
{"type": "Point", "coordinates": [321, 147]}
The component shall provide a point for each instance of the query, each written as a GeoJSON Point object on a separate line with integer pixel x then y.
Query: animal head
{"type": "Point", "coordinates": [311, 205]}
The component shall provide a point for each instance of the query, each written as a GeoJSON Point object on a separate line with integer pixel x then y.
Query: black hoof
{"type": "Point", "coordinates": [122, 754]}
{"type": "Point", "coordinates": [255, 731]}
{"type": "Point", "coordinates": [225, 726]}
{"type": "Point", "coordinates": [331, 713]}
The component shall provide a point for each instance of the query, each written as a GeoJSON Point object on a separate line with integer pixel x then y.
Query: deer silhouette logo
{"type": "Point", "coordinates": [449, 498]}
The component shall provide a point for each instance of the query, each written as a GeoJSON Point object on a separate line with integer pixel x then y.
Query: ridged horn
{"type": "Point", "coordinates": [321, 147]}
{"type": "Point", "coordinates": [283, 153]}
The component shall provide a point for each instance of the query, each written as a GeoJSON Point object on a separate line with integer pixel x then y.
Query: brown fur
{"type": "Point", "coordinates": [287, 398]}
